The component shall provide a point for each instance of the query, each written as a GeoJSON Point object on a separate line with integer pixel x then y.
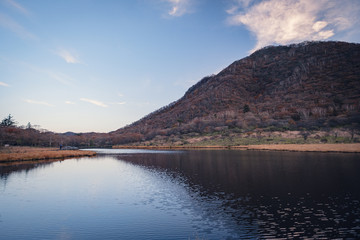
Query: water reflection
{"type": "Point", "coordinates": [6, 169]}
{"type": "Point", "coordinates": [184, 195]}
{"type": "Point", "coordinates": [261, 173]}
{"type": "Point", "coordinates": [104, 198]}
{"type": "Point", "coordinates": [275, 194]}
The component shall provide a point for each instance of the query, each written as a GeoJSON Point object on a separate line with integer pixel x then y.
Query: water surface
{"type": "Point", "coordinates": [137, 194]}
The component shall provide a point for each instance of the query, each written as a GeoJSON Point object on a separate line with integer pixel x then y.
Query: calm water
{"type": "Point", "coordinates": [134, 194]}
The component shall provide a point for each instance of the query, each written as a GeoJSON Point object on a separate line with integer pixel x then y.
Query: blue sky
{"type": "Point", "coordinates": [82, 65]}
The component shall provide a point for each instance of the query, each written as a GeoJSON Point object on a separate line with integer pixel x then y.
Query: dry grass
{"type": "Point", "coordinates": [173, 147]}
{"type": "Point", "coordinates": [354, 147]}
{"type": "Point", "coordinates": [341, 147]}
{"type": "Point", "coordinates": [9, 154]}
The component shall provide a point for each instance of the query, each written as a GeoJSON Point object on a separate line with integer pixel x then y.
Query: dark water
{"type": "Point", "coordinates": [183, 195]}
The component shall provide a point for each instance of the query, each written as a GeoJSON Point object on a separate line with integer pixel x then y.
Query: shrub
{"type": "Point", "coordinates": [246, 108]}
{"type": "Point", "coordinates": [295, 117]}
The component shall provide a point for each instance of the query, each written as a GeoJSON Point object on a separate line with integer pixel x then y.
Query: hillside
{"type": "Point", "coordinates": [311, 85]}
{"type": "Point", "coordinates": [301, 93]}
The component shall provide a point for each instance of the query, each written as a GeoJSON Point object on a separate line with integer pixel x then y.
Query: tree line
{"type": "Point", "coordinates": [32, 135]}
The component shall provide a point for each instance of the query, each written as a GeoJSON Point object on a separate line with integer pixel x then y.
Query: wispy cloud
{"type": "Point", "coordinates": [238, 4]}
{"type": "Point", "coordinates": [17, 6]}
{"type": "Point", "coordinates": [289, 21]}
{"type": "Point", "coordinates": [68, 56]}
{"type": "Point", "coordinates": [58, 76]}
{"type": "Point", "coordinates": [95, 102]}
{"type": "Point", "coordinates": [118, 103]}
{"type": "Point", "coordinates": [4, 84]}
{"type": "Point", "coordinates": [69, 102]}
{"type": "Point", "coordinates": [10, 24]}
{"type": "Point", "coordinates": [178, 7]}
{"type": "Point", "coordinates": [39, 102]}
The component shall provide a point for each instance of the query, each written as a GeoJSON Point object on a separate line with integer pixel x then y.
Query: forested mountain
{"type": "Point", "coordinates": [310, 85]}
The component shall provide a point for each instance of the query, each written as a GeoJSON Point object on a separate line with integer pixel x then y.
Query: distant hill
{"type": "Point", "coordinates": [69, 134]}
{"type": "Point", "coordinates": [311, 85]}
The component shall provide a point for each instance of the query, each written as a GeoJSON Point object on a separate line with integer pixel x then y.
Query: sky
{"type": "Point", "coordinates": [97, 66]}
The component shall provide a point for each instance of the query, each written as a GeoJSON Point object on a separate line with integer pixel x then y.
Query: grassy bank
{"type": "Point", "coordinates": [338, 140]}
{"type": "Point", "coordinates": [164, 147]}
{"type": "Point", "coordinates": [342, 147]}
{"type": "Point", "coordinates": [13, 154]}
{"type": "Point", "coordinates": [347, 147]}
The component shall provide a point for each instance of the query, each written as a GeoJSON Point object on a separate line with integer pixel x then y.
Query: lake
{"type": "Point", "coordinates": [212, 194]}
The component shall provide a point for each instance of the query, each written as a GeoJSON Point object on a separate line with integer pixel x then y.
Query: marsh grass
{"type": "Point", "coordinates": [309, 147]}
{"type": "Point", "coordinates": [9, 154]}
{"type": "Point", "coordinates": [325, 147]}
{"type": "Point", "coordinates": [232, 139]}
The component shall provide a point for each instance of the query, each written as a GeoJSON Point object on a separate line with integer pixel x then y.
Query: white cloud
{"type": "Point", "coordinates": [95, 102]}
{"type": "Point", "coordinates": [237, 5]}
{"type": "Point", "coordinates": [118, 103]}
{"type": "Point", "coordinates": [289, 21]}
{"type": "Point", "coordinates": [17, 6]}
{"type": "Point", "coordinates": [38, 102]}
{"type": "Point", "coordinates": [10, 24]}
{"type": "Point", "coordinates": [4, 84]}
{"type": "Point", "coordinates": [60, 77]}
{"type": "Point", "coordinates": [67, 56]}
{"type": "Point", "coordinates": [178, 7]}
{"type": "Point", "coordinates": [319, 25]}
{"type": "Point", "coordinates": [69, 102]}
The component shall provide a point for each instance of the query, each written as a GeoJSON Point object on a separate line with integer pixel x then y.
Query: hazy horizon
{"type": "Point", "coordinates": [84, 66]}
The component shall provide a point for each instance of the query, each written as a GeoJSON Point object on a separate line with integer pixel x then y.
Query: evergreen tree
{"type": "Point", "coordinates": [8, 122]}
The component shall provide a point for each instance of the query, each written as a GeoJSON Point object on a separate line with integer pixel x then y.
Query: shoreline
{"type": "Point", "coordinates": [19, 155]}
{"type": "Point", "coordinates": [340, 148]}
{"type": "Point", "coordinates": [26, 154]}
{"type": "Point", "coordinates": [324, 147]}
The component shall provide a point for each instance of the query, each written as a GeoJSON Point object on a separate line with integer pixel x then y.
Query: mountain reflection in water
{"type": "Point", "coordinates": [284, 194]}
{"type": "Point", "coordinates": [184, 195]}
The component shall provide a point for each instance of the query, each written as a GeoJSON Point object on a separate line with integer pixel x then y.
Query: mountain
{"type": "Point", "coordinates": [311, 85]}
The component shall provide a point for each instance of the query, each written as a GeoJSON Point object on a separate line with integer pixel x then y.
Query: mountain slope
{"type": "Point", "coordinates": [308, 85]}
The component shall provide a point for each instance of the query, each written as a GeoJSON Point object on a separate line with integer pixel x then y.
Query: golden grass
{"type": "Point", "coordinates": [10, 154]}
{"type": "Point", "coordinates": [341, 147]}
{"type": "Point", "coordinates": [168, 147]}
{"type": "Point", "coordinates": [346, 147]}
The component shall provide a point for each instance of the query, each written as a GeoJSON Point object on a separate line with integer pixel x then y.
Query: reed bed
{"type": "Point", "coordinates": [172, 147]}
{"type": "Point", "coordinates": [346, 147]}
{"type": "Point", "coordinates": [9, 154]}
{"type": "Point", "coordinates": [340, 147]}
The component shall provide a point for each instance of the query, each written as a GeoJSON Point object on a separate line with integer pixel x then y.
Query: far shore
{"type": "Point", "coordinates": [18, 154]}
{"type": "Point", "coordinates": [341, 147]}
{"type": "Point", "coordinates": [10, 155]}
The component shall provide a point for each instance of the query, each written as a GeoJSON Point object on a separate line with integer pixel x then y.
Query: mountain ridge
{"type": "Point", "coordinates": [306, 85]}
{"type": "Point", "coordinates": [300, 93]}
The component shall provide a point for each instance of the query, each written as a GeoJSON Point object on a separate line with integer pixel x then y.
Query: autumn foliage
{"type": "Point", "coordinates": [311, 86]}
